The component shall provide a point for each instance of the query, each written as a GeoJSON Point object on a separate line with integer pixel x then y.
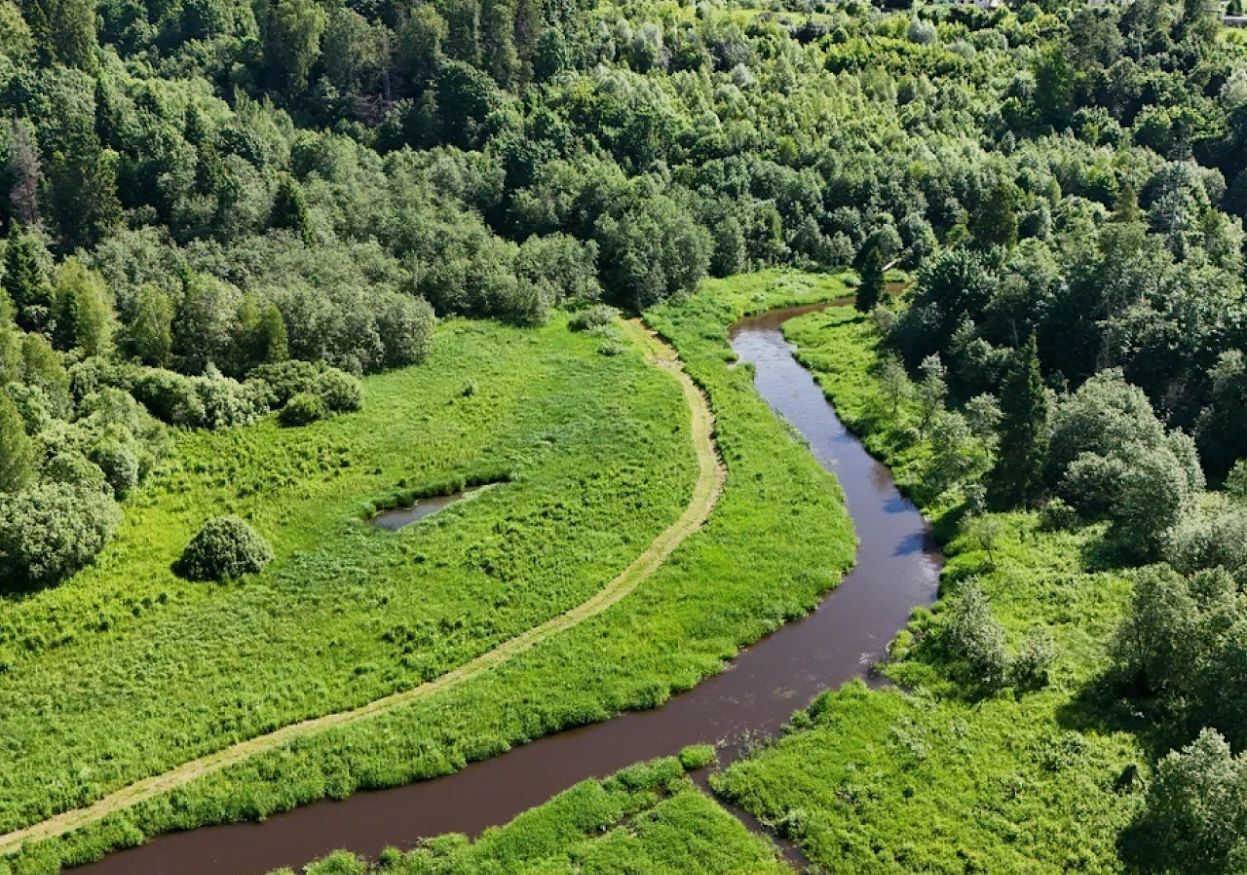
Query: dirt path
{"type": "Point", "coordinates": [706, 492]}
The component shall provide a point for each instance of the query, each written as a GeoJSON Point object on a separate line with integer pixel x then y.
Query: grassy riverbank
{"type": "Point", "coordinates": [679, 626]}
{"type": "Point", "coordinates": [647, 818]}
{"type": "Point", "coordinates": [938, 779]}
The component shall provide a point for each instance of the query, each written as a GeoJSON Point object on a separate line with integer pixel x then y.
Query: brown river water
{"type": "Point", "coordinates": [897, 569]}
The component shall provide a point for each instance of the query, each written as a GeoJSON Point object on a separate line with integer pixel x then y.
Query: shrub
{"type": "Point", "coordinates": [976, 637]}
{"type": "Point", "coordinates": [225, 402]}
{"type": "Point", "coordinates": [119, 462]}
{"type": "Point", "coordinates": [1236, 480]}
{"type": "Point", "coordinates": [277, 383]}
{"type": "Point", "coordinates": [72, 468]}
{"type": "Point", "coordinates": [1181, 642]}
{"type": "Point", "coordinates": [170, 397]}
{"type": "Point", "coordinates": [697, 756]}
{"type": "Point", "coordinates": [1057, 516]}
{"type": "Point", "coordinates": [592, 318]}
{"type": "Point", "coordinates": [1212, 537]}
{"type": "Point", "coordinates": [1029, 669]}
{"type": "Point", "coordinates": [406, 327]}
{"type": "Point", "coordinates": [302, 409]}
{"type": "Point", "coordinates": [52, 530]}
{"type": "Point", "coordinates": [338, 391]}
{"type": "Point", "coordinates": [225, 547]}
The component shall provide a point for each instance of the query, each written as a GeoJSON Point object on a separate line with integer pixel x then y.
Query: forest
{"type": "Point", "coordinates": [269, 267]}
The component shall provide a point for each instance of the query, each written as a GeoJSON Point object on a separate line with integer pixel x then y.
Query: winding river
{"type": "Point", "coordinates": [897, 569]}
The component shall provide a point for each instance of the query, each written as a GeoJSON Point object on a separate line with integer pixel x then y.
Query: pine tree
{"type": "Point", "coordinates": [1127, 207]}
{"type": "Point", "coordinates": [16, 451]}
{"type": "Point", "coordinates": [24, 282]}
{"type": "Point", "coordinates": [870, 292]}
{"type": "Point", "coordinates": [290, 209]}
{"type": "Point", "coordinates": [1024, 429]}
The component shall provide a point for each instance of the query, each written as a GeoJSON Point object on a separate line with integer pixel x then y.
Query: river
{"type": "Point", "coordinates": [897, 569]}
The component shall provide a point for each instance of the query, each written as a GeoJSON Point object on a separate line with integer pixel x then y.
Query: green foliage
{"type": "Point", "coordinates": [83, 310]}
{"type": "Point", "coordinates": [1030, 667]}
{"type": "Point", "coordinates": [1195, 818]}
{"type": "Point", "coordinates": [291, 32]}
{"type": "Point", "coordinates": [51, 530]}
{"type": "Point", "coordinates": [224, 548]}
{"type": "Point", "coordinates": [593, 318]}
{"type": "Point", "coordinates": [937, 753]}
{"type": "Point", "coordinates": [975, 638]}
{"type": "Point", "coordinates": [25, 282]}
{"type": "Point", "coordinates": [646, 818]}
{"type": "Point", "coordinates": [16, 451]}
{"type": "Point", "coordinates": [1181, 641]}
{"type": "Point", "coordinates": [1024, 430]}
{"type": "Point", "coordinates": [303, 408]}
{"type": "Point", "coordinates": [651, 251]}
{"type": "Point", "coordinates": [290, 210]}
{"type": "Point", "coordinates": [1112, 459]}
{"type": "Point", "coordinates": [339, 392]}
{"type": "Point", "coordinates": [149, 335]}
{"type": "Point", "coordinates": [1213, 535]}
{"type": "Point", "coordinates": [405, 326]}
{"type": "Point", "coordinates": [493, 579]}
{"type": "Point", "coordinates": [870, 290]}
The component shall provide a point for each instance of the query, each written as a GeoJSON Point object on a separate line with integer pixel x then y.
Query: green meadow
{"type": "Point", "coordinates": [928, 776]}
{"type": "Point", "coordinates": [126, 670]}
{"type": "Point", "coordinates": [678, 627]}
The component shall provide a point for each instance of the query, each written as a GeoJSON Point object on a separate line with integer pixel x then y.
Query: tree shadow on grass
{"type": "Point", "coordinates": [1108, 704]}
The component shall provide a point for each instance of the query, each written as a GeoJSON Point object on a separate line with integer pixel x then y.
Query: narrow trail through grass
{"type": "Point", "coordinates": [706, 491]}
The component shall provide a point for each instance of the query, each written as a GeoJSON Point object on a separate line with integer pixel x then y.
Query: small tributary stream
{"type": "Point", "coordinates": [897, 569]}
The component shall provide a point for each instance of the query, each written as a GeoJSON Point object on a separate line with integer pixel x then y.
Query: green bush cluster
{"type": "Point", "coordinates": [224, 548]}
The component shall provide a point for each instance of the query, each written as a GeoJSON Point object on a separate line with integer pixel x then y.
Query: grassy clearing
{"type": "Point", "coordinates": [705, 494]}
{"type": "Point", "coordinates": [935, 780]}
{"type": "Point", "coordinates": [150, 671]}
{"type": "Point", "coordinates": [676, 628]}
{"type": "Point", "coordinates": [647, 818]}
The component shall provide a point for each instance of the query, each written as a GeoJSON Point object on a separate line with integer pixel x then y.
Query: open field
{"type": "Point", "coordinates": [935, 779]}
{"type": "Point", "coordinates": [706, 490]}
{"type": "Point", "coordinates": [680, 625]}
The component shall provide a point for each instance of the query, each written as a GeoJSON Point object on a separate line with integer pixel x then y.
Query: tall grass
{"type": "Point", "coordinates": [678, 627]}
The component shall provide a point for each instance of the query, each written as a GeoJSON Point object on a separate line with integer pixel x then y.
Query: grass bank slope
{"type": "Point", "coordinates": [936, 779]}
{"type": "Point", "coordinates": [647, 818]}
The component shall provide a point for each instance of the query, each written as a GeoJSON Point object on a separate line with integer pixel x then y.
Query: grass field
{"type": "Point", "coordinates": [935, 779]}
{"type": "Point", "coordinates": [647, 818]}
{"type": "Point", "coordinates": [679, 626]}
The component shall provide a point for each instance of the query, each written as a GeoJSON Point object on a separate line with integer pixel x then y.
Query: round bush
{"type": "Point", "coordinates": [71, 468]}
{"type": "Point", "coordinates": [52, 530]}
{"type": "Point", "coordinates": [224, 547]}
{"type": "Point", "coordinates": [339, 391]}
{"type": "Point", "coordinates": [119, 463]}
{"type": "Point", "coordinates": [303, 408]}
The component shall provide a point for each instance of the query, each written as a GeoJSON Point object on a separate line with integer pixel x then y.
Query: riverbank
{"type": "Point", "coordinates": [896, 570]}
{"type": "Point", "coordinates": [674, 630]}
{"type": "Point", "coordinates": [938, 778]}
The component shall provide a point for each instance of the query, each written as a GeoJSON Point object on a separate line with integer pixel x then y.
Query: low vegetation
{"type": "Point", "coordinates": [676, 628]}
{"type": "Point", "coordinates": [647, 818]}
